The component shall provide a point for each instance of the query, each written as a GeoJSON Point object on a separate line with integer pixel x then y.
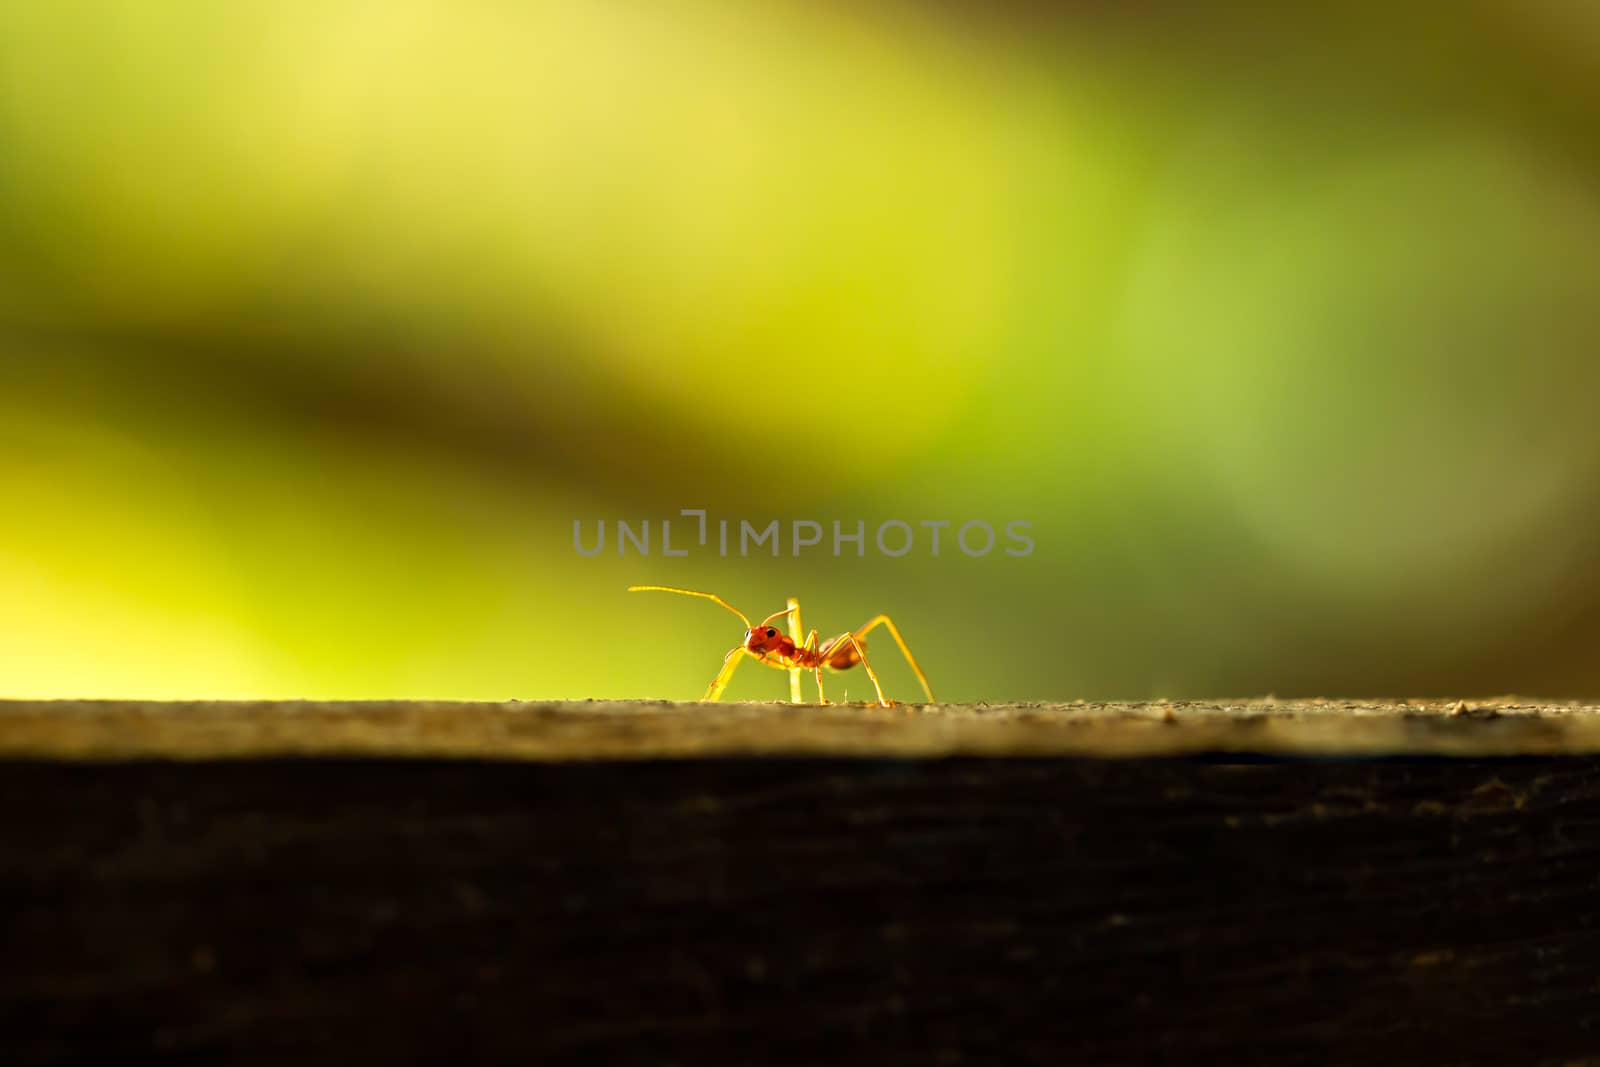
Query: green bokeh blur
{"type": "Point", "coordinates": [321, 323]}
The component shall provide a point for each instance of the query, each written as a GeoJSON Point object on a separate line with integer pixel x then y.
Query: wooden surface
{"type": "Point", "coordinates": [764, 884]}
{"type": "Point", "coordinates": [588, 730]}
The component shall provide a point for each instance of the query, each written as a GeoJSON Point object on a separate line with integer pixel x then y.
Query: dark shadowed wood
{"type": "Point", "coordinates": [871, 887]}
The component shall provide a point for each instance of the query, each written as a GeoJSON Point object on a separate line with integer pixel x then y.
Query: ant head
{"type": "Point", "coordinates": [762, 639]}
{"type": "Point", "coordinates": [765, 637]}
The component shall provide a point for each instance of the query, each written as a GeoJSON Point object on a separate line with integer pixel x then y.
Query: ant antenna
{"type": "Point", "coordinates": [704, 596]}
{"type": "Point", "coordinates": [779, 614]}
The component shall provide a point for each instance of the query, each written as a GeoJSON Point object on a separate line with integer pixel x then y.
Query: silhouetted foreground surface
{"type": "Point", "coordinates": [765, 884]}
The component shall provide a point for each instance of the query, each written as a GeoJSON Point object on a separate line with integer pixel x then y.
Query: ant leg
{"type": "Point", "coordinates": [730, 663]}
{"type": "Point", "coordinates": [862, 654]}
{"type": "Point", "coordinates": [794, 635]}
{"type": "Point", "coordinates": [894, 631]}
{"type": "Point", "coordinates": [811, 646]}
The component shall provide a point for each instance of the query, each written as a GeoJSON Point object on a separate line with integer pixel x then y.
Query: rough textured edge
{"type": "Point", "coordinates": [644, 730]}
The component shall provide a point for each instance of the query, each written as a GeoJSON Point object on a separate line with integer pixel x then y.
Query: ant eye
{"type": "Point", "coordinates": [771, 632]}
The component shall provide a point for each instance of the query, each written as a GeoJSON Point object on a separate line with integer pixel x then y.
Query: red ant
{"type": "Point", "coordinates": [768, 646]}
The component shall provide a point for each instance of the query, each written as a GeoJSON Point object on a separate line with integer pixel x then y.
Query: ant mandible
{"type": "Point", "coordinates": [767, 645]}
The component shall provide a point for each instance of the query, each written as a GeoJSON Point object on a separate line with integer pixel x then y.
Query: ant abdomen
{"type": "Point", "coordinates": [843, 657]}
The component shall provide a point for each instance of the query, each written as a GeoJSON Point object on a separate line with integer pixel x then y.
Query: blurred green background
{"type": "Point", "coordinates": [321, 322]}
